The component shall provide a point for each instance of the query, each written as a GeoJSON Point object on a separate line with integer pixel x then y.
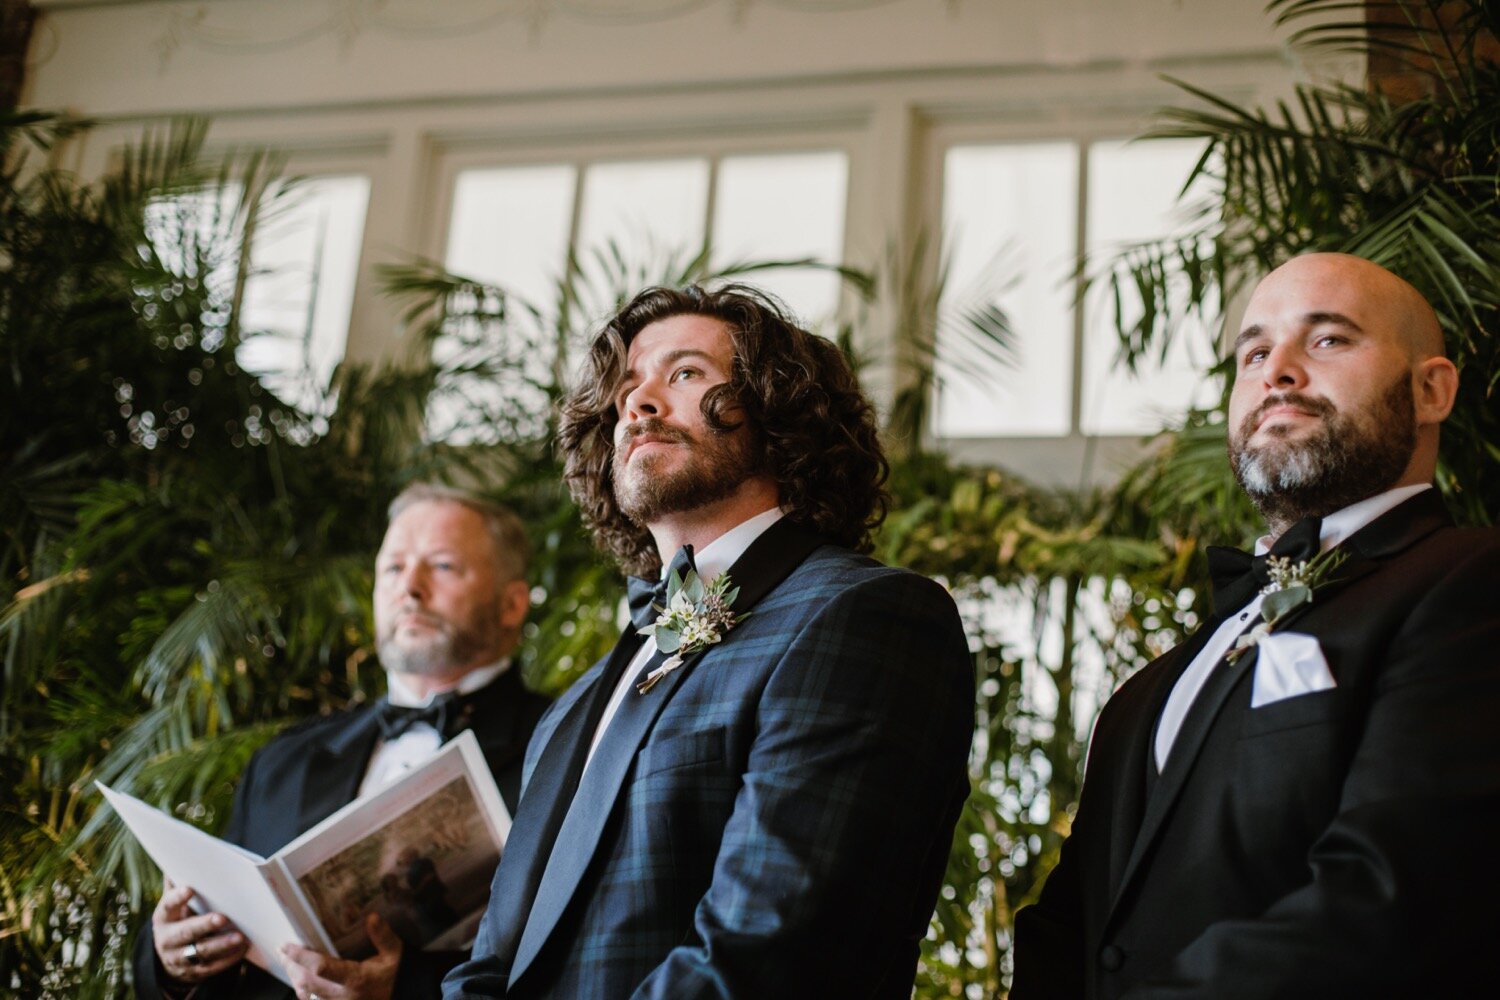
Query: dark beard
{"type": "Point", "coordinates": [717, 467]}
{"type": "Point", "coordinates": [1346, 460]}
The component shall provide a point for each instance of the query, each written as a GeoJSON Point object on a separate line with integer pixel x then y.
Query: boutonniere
{"type": "Point", "coordinates": [697, 615]}
{"type": "Point", "coordinates": [1292, 585]}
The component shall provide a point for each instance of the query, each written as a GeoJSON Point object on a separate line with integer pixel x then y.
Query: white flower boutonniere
{"type": "Point", "coordinates": [1292, 585]}
{"type": "Point", "coordinates": [697, 616]}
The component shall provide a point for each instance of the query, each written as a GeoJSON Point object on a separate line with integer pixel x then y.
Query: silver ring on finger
{"type": "Point", "coordinates": [191, 953]}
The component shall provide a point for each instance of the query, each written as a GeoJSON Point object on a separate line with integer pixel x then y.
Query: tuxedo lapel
{"type": "Point", "coordinates": [1140, 777]}
{"type": "Point", "coordinates": [499, 704]}
{"type": "Point", "coordinates": [770, 559]}
{"type": "Point", "coordinates": [335, 770]}
{"type": "Point", "coordinates": [544, 805]}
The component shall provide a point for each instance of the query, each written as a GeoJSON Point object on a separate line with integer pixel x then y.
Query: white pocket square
{"type": "Point", "coordinates": [1288, 664]}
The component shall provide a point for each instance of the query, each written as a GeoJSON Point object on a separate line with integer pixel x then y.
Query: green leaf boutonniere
{"type": "Point", "coordinates": [697, 616]}
{"type": "Point", "coordinates": [1292, 585]}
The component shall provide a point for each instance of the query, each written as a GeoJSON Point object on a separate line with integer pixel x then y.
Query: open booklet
{"type": "Point", "coordinates": [420, 852]}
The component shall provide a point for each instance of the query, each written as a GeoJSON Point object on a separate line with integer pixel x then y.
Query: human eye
{"type": "Point", "coordinates": [686, 372]}
{"type": "Point", "coordinates": [622, 394]}
{"type": "Point", "coordinates": [391, 568]}
{"type": "Point", "coordinates": [1253, 355]}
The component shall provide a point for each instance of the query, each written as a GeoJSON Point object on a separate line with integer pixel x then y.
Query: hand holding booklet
{"type": "Point", "coordinates": [420, 852]}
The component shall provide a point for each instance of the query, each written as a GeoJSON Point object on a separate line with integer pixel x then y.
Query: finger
{"type": "Point", "coordinates": [382, 936]}
{"type": "Point", "coordinates": [326, 989]}
{"type": "Point", "coordinates": [172, 905]}
{"type": "Point", "coordinates": [179, 933]}
{"type": "Point", "coordinates": [216, 947]}
{"type": "Point", "coordinates": [208, 968]}
{"type": "Point", "coordinates": [316, 963]}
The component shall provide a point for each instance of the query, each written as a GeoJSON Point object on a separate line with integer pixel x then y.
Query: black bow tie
{"type": "Point", "coordinates": [448, 713]}
{"type": "Point", "coordinates": [643, 593]}
{"type": "Point", "coordinates": [1238, 575]}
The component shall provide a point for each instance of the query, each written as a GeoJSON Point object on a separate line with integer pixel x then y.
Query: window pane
{"type": "Point", "coordinates": [644, 213]}
{"type": "Point", "coordinates": [1009, 216]}
{"type": "Point", "coordinates": [1132, 197]}
{"type": "Point", "coordinates": [510, 228]}
{"type": "Point", "coordinates": [304, 259]}
{"type": "Point", "coordinates": [785, 207]}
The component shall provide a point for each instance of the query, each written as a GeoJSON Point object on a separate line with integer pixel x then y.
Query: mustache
{"type": "Point", "coordinates": [1312, 404]}
{"type": "Point", "coordinates": [417, 612]}
{"type": "Point", "coordinates": [654, 426]}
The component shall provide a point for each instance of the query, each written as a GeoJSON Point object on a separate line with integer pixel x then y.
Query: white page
{"type": "Point", "coordinates": [226, 878]}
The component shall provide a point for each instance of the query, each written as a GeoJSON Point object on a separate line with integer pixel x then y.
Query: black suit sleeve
{"type": "Point", "coordinates": [1403, 881]}
{"type": "Point", "coordinates": [1049, 936]}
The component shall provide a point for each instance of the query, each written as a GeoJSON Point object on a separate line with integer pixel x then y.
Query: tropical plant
{"type": "Point", "coordinates": [1409, 179]}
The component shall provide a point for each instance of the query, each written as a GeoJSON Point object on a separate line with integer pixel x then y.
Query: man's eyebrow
{"type": "Point", "coordinates": [671, 358]}
{"type": "Point", "coordinates": [1337, 319]}
{"type": "Point", "coordinates": [1308, 320]}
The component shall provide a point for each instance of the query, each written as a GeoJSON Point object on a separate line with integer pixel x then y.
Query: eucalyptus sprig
{"type": "Point", "coordinates": [697, 615]}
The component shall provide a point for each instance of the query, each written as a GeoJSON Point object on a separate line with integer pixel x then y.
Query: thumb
{"type": "Point", "coordinates": [381, 936]}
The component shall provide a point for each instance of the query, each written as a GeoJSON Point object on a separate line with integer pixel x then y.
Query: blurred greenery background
{"type": "Point", "coordinates": [186, 561]}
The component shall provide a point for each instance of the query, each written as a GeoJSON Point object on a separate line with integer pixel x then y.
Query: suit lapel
{"type": "Point", "coordinates": [1136, 789]}
{"type": "Point", "coordinates": [499, 704]}
{"type": "Point", "coordinates": [1392, 532]}
{"type": "Point", "coordinates": [772, 557]}
{"type": "Point", "coordinates": [335, 770]}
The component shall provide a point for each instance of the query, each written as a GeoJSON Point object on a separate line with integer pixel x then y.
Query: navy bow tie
{"type": "Point", "coordinates": [642, 594]}
{"type": "Point", "coordinates": [447, 713]}
{"type": "Point", "coordinates": [1238, 575]}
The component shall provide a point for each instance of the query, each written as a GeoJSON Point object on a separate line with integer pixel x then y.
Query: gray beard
{"type": "Point", "coordinates": [1349, 458]}
{"type": "Point", "coordinates": [435, 657]}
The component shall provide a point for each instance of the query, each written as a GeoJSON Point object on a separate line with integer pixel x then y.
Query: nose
{"type": "Point", "coordinates": [644, 400]}
{"type": "Point", "coordinates": [1285, 367]}
{"type": "Point", "coordinates": [414, 580]}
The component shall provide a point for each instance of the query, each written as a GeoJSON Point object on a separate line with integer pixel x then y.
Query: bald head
{"type": "Point", "coordinates": [1407, 312]}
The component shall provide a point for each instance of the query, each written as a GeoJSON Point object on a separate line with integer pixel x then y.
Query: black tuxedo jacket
{"type": "Point", "coordinates": [312, 770]}
{"type": "Point", "coordinates": [1341, 843]}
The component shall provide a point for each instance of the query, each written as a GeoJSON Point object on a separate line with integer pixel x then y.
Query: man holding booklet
{"type": "Point", "coordinates": [450, 598]}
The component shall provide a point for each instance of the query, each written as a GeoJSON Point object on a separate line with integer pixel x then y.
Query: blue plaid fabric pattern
{"type": "Point", "coordinates": [782, 829]}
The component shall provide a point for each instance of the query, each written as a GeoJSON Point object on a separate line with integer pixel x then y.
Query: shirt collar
{"type": "Point", "coordinates": [399, 692]}
{"type": "Point", "coordinates": [721, 553]}
{"type": "Point", "coordinates": [1342, 523]}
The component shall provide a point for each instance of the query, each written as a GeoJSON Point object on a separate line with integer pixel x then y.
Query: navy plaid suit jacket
{"type": "Point", "coordinates": [773, 819]}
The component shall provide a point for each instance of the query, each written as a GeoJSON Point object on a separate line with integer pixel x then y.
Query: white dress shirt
{"type": "Point", "coordinates": [1335, 528]}
{"type": "Point", "coordinates": [716, 557]}
{"type": "Point", "coordinates": [394, 758]}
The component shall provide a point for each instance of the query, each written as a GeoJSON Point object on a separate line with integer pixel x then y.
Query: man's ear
{"type": "Point", "coordinates": [1435, 388]}
{"type": "Point", "coordinates": [515, 601]}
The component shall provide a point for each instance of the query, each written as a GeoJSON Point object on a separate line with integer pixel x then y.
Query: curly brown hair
{"type": "Point", "coordinates": [813, 424]}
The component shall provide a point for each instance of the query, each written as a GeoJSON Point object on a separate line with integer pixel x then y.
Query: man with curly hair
{"type": "Point", "coordinates": [755, 796]}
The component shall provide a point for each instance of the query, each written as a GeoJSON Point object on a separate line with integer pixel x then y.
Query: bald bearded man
{"type": "Point", "coordinates": [1303, 799]}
